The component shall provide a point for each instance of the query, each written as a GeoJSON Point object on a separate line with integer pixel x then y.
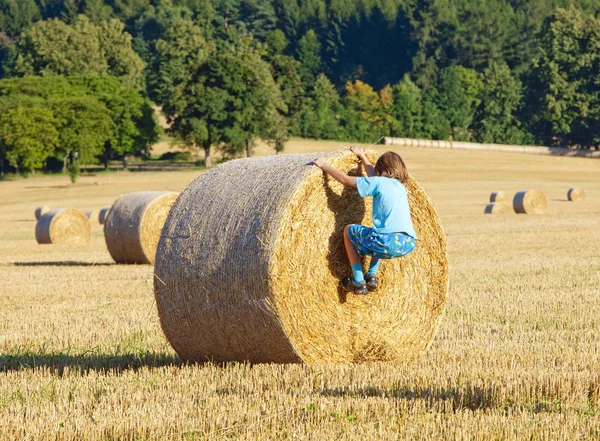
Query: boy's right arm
{"type": "Point", "coordinates": [360, 152]}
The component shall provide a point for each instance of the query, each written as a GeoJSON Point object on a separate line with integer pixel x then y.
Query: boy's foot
{"type": "Point", "coordinates": [358, 288]}
{"type": "Point", "coordinates": [371, 280]}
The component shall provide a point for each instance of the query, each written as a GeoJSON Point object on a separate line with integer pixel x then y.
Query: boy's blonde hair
{"type": "Point", "coordinates": [393, 164]}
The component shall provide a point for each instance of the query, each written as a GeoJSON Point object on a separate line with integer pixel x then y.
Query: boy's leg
{"type": "Point", "coordinates": [353, 257]}
{"type": "Point", "coordinates": [373, 266]}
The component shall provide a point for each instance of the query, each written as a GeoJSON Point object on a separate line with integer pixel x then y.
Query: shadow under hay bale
{"type": "Point", "coordinates": [530, 202]}
{"type": "Point", "coordinates": [249, 262]}
{"type": "Point", "coordinates": [133, 225]}
{"type": "Point", "coordinates": [498, 196]}
{"type": "Point", "coordinates": [40, 211]}
{"type": "Point", "coordinates": [63, 226]}
{"type": "Point", "coordinates": [497, 208]}
{"type": "Point", "coordinates": [576, 194]}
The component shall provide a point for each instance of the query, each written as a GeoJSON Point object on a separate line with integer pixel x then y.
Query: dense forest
{"type": "Point", "coordinates": [79, 77]}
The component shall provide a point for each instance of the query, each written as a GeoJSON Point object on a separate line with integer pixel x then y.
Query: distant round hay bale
{"type": "Point", "coordinates": [497, 208]}
{"type": "Point", "coordinates": [134, 223]}
{"type": "Point", "coordinates": [93, 216]}
{"type": "Point", "coordinates": [103, 215]}
{"type": "Point", "coordinates": [250, 259]}
{"type": "Point", "coordinates": [498, 196]}
{"type": "Point", "coordinates": [63, 226]}
{"type": "Point", "coordinates": [41, 210]}
{"type": "Point", "coordinates": [576, 194]}
{"type": "Point", "coordinates": [530, 202]}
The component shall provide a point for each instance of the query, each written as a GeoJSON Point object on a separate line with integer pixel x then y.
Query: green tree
{"type": "Point", "coordinates": [309, 54]}
{"type": "Point", "coordinates": [84, 126]}
{"type": "Point", "coordinates": [17, 15]}
{"type": "Point", "coordinates": [320, 116]}
{"type": "Point", "coordinates": [407, 109]}
{"type": "Point", "coordinates": [53, 47]}
{"type": "Point", "coordinates": [28, 136]}
{"type": "Point", "coordinates": [363, 116]}
{"type": "Point", "coordinates": [458, 90]}
{"type": "Point", "coordinates": [231, 101]}
{"type": "Point", "coordinates": [565, 78]}
{"type": "Point", "coordinates": [500, 99]}
{"type": "Point", "coordinates": [180, 51]}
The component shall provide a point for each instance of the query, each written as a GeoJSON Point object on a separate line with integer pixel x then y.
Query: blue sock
{"type": "Point", "coordinates": [373, 266]}
{"type": "Point", "coordinates": [357, 273]}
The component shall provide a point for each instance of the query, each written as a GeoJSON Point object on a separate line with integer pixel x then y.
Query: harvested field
{"type": "Point", "coordinates": [83, 356]}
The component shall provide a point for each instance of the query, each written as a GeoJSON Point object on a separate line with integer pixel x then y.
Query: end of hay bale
{"type": "Point", "coordinates": [41, 210]}
{"type": "Point", "coordinates": [576, 194]}
{"type": "Point", "coordinates": [498, 196]}
{"type": "Point", "coordinates": [134, 223]}
{"type": "Point", "coordinates": [497, 208]}
{"type": "Point", "coordinates": [530, 202]}
{"type": "Point", "coordinates": [60, 226]}
{"type": "Point", "coordinates": [93, 216]}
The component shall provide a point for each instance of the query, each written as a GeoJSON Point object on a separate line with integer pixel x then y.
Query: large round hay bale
{"type": "Point", "coordinates": [134, 223]}
{"type": "Point", "coordinates": [497, 208]}
{"type": "Point", "coordinates": [576, 194]}
{"type": "Point", "coordinates": [41, 210]}
{"type": "Point", "coordinates": [63, 226]}
{"type": "Point", "coordinates": [498, 196]}
{"type": "Point", "coordinates": [103, 215]}
{"type": "Point", "coordinates": [530, 202]}
{"type": "Point", "coordinates": [249, 263]}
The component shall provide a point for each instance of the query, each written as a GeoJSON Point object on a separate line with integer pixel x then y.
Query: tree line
{"type": "Point", "coordinates": [83, 73]}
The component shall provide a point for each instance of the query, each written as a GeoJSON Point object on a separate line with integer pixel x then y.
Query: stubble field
{"type": "Point", "coordinates": [82, 355]}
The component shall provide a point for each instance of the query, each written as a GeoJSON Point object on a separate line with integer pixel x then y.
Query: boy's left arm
{"type": "Point", "coordinates": [341, 177]}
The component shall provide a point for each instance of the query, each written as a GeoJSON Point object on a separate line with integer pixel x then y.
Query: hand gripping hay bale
{"type": "Point", "coordinates": [497, 208]}
{"type": "Point", "coordinates": [530, 202]}
{"type": "Point", "coordinates": [133, 225]}
{"type": "Point", "coordinates": [576, 194]}
{"type": "Point", "coordinates": [249, 263]}
{"type": "Point", "coordinates": [40, 211]}
{"type": "Point", "coordinates": [498, 196]}
{"type": "Point", "coordinates": [63, 226]}
{"type": "Point", "coordinates": [103, 215]}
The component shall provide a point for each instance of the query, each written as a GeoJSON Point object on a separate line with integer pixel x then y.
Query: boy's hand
{"type": "Point", "coordinates": [320, 162]}
{"type": "Point", "coordinates": [358, 151]}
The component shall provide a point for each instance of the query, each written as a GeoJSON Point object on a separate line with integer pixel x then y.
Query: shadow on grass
{"type": "Point", "coordinates": [471, 398]}
{"type": "Point", "coordinates": [64, 263]}
{"type": "Point", "coordinates": [57, 363]}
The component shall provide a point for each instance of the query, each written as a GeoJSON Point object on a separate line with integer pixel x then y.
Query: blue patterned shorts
{"type": "Point", "coordinates": [380, 245]}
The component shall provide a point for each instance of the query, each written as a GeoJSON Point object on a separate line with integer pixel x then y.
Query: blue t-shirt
{"type": "Point", "coordinates": [391, 213]}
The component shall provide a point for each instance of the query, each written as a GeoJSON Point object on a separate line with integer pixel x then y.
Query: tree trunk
{"type": "Point", "coordinates": [65, 159]}
{"type": "Point", "coordinates": [248, 147]}
{"type": "Point", "coordinates": [1, 167]}
{"type": "Point", "coordinates": [125, 161]}
{"type": "Point", "coordinates": [207, 159]}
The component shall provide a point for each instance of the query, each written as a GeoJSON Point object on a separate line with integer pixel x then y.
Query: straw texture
{"type": "Point", "coordinates": [40, 211]}
{"type": "Point", "coordinates": [63, 226]}
{"type": "Point", "coordinates": [103, 215]}
{"type": "Point", "coordinates": [133, 225]}
{"type": "Point", "coordinates": [497, 208]}
{"type": "Point", "coordinates": [576, 194]}
{"type": "Point", "coordinates": [530, 202]}
{"type": "Point", "coordinates": [249, 263]}
{"type": "Point", "coordinates": [498, 196]}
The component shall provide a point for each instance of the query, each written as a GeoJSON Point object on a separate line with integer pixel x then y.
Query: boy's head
{"type": "Point", "coordinates": [390, 164]}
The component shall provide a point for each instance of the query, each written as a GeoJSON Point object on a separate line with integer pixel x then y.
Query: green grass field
{"type": "Point", "coordinates": [83, 357]}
